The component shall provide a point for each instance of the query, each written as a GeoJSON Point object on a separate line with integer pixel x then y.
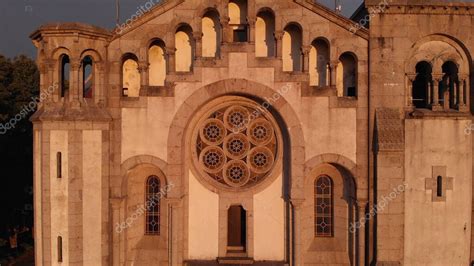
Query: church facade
{"type": "Point", "coordinates": [260, 132]}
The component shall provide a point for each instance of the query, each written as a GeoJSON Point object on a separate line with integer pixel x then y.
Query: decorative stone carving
{"type": "Point", "coordinates": [235, 145]}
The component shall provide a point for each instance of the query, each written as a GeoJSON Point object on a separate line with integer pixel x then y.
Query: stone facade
{"type": "Point", "coordinates": [384, 113]}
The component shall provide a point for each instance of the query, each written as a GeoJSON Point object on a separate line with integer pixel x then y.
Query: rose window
{"type": "Point", "coordinates": [236, 144]}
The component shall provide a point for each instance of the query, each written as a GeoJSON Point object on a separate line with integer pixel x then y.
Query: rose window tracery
{"type": "Point", "coordinates": [236, 144]}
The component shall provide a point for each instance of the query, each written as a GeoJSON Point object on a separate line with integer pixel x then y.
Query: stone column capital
{"type": "Point", "coordinates": [225, 20]}
{"type": "Point", "coordinates": [75, 64]}
{"type": "Point", "coordinates": [306, 49]}
{"type": "Point", "coordinates": [279, 34]}
{"type": "Point", "coordinates": [170, 50]}
{"type": "Point", "coordinates": [411, 76]}
{"type": "Point", "coordinates": [197, 35]}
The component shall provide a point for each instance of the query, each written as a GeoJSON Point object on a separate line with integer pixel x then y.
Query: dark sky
{"type": "Point", "coordinates": [19, 18]}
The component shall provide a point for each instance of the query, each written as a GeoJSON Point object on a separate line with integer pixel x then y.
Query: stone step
{"type": "Point", "coordinates": [235, 260]}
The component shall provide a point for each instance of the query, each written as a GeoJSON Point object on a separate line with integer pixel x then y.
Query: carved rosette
{"type": "Point", "coordinates": [235, 144]}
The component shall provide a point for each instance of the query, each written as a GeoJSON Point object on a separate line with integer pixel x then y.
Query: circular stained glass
{"type": "Point", "coordinates": [236, 144]}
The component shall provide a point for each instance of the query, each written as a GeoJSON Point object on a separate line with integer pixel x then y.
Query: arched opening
{"type": "Point", "coordinates": [265, 45]}
{"type": "Point", "coordinates": [157, 63]}
{"type": "Point", "coordinates": [64, 74]}
{"type": "Point", "coordinates": [292, 42]}
{"type": "Point", "coordinates": [88, 77]}
{"type": "Point", "coordinates": [334, 211]}
{"type": "Point", "coordinates": [449, 88]}
{"type": "Point", "coordinates": [211, 34]}
{"type": "Point", "coordinates": [238, 20]}
{"type": "Point", "coordinates": [130, 76]}
{"type": "Point", "coordinates": [237, 230]}
{"type": "Point", "coordinates": [347, 75]}
{"type": "Point", "coordinates": [422, 85]}
{"type": "Point", "coordinates": [184, 45]}
{"type": "Point", "coordinates": [319, 63]}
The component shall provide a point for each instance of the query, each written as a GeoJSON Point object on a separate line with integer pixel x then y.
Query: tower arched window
{"type": "Point", "coordinates": [87, 77]}
{"type": "Point", "coordinates": [152, 204]}
{"type": "Point", "coordinates": [323, 207]}
{"type": "Point", "coordinates": [64, 74]}
{"type": "Point", "coordinates": [421, 88]}
{"type": "Point", "coordinates": [449, 89]}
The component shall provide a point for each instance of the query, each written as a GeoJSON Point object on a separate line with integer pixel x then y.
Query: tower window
{"type": "Point", "coordinates": [58, 165]}
{"type": "Point", "coordinates": [64, 74]}
{"type": "Point", "coordinates": [439, 186]}
{"type": "Point", "coordinates": [87, 77]}
{"type": "Point", "coordinates": [60, 249]}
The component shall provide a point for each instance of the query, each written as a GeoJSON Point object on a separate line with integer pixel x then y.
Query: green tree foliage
{"type": "Point", "coordinates": [19, 84]}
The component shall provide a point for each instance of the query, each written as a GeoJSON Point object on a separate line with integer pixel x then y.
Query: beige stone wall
{"type": "Point", "coordinates": [59, 196]}
{"type": "Point", "coordinates": [269, 222]}
{"type": "Point", "coordinates": [442, 225]}
{"type": "Point", "coordinates": [203, 224]}
{"type": "Point", "coordinates": [92, 196]}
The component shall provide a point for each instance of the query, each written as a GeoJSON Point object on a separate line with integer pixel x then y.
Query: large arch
{"type": "Point", "coordinates": [137, 160]}
{"type": "Point", "coordinates": [251, 89]}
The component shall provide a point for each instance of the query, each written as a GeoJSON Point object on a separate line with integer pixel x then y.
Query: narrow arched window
{"type": "Point", "coordinates": [87, 77]}
{"type": "Point", "coordinates": [292, 43]}
{"type": "Point", "coordinates": [319, 63]}
{"type": "Point", "coordinates": [265, 45]}
{"type": "Point", "coordinates": [64, 74]}
{"type": "Point", "coordinates": [130, 76]}
{"type": "Point", "coordinates": [347, 75]}
{"type": "Point", "coordinates": [211, 34]}
{"type": "Point", "coordinates": [157, 64]}
{"type": "Point", "coordinates": [323, 207]}
{"type": "Point", "coordinates": [184, 45]}
{"type": "Point", "coordinates": [152, 204]}
{"type": "Point", "coordinates": [421, 89]}
{"type": "Point", "coordinates": [238, 19]}
{"type": "Point", "coordinates": [449, 89]}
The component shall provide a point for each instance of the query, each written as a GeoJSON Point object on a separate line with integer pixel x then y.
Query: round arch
{"type": "Point", "coordinates": [443, 48]}
{"type": "Point", "coordinates": [179, 125]}
{"type": "Point", "coordinates": [138, 160]}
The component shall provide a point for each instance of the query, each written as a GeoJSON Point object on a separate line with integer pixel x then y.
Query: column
{"type": "Point", "coordinates": [305, 51]}
{"type": "Point", "coordinates": [409, 91]}
{"type": "Point", "coordinates": [50, 65]}
{"type": "Point", "coordinates": [197, 35]}
{"type": "Point", "coordinates": [74, 85]}
{"type": "Point", "coordinates": [279, 43]}
{"type": "Point", "coordinates": [171, 56]}
{"type": "Point", "coordinates": [227, 32]}
{"type": "Point", "coordinates": [251, 31]}
{"type": "Point", "coordinates": [99, 89]}
{"type": "Point", "coordinates": [462, 94]}
{"type": "Point", "coordinates": [116, 230]}
{"type": "Point", "coordinates": [333, 69]}
{"type": "Point", "coordinates": [297, 222]}
{"type": "Point", "coordinates": [143, 70]}
{"type": "Point", "coordinates": [435, 106]}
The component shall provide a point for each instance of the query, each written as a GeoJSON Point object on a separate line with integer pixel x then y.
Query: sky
{"type": "Point", "coordinates": [19, 18]}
